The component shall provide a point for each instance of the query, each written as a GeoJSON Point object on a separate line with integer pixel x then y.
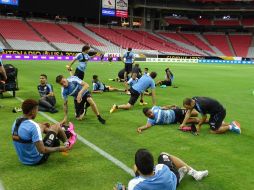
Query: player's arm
{"type": "Point", "coordinates": [153, 97]}
{"type": "Point", "coordinates": [68, 66]}
{"type": "Point", "coordinates": [65, 109]}
{"type": "Point", "coordinates": [85, 86]}
{"type": "Point", "coordinates": [168, 107]}
{"type": "Point", "coordinates": [45, 150]}
{"type": "Point", "coordinates": [202, 120]}
{"type": "Point", "coordinates": [2, 71]}
{"type": "Point", "coordinates": [97, 91]}
{"type": "Point", "coordinates": [147, 126]}
{"type": "Point", "coordinates": [187, 116]}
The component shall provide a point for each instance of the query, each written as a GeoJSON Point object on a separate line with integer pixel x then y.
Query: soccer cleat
{"type": "Point", "coordinates": [16, 110]}
{"type": "Point", "coordinates": [235, 127]}
{"type": "Point", "coordinates": [198, 175]}
{"type": "Point", "coordinates": [101, 120]}
{"type": "Point", "coordinates": [53, 110]}
{"type": "Point", "coordinates": [113, 108]}
{"type": "Point", "coordinates": [143, 103]}
{"type": "Point", "coordinates": [73, 138]}
{"type": "Point", "coordinates": [182, 172]}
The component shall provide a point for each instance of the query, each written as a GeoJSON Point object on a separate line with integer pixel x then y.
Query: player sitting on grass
{"type": "Point", "coordinates": [166, 175]}
{"type": "Point", "coordinates": [27, 136]}
{"type": "Point", "coordinates": [47, 101]}
{"type": "Point", "coordinates": [136, 70]}
{"type": "Point", "coordinates": [83, 58]}
{"type": "Point", "coordinates": [166, 115]}
{"type": "Point", "coordinates": [77, 88]}
{"type": "Point", "coordinates": [136, 90]}
{"type": "Point", "coordinates": [216, 111]}
{"type": "Point", "coordinates": [169, 77]}
{"type": "Point", "coordinates": [99, 87]}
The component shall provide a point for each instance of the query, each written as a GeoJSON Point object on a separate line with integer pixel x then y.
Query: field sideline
{"type": "Point", "coordinates": [228, 157]}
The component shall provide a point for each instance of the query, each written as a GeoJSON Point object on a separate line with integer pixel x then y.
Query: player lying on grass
{"type": "Point", "coordinates": [217, 112]}
{"type": "Point", "coordinates": [137, 90]}
{"type": "Point", "coordinates": [27, 136]}
{"type": "Point", "coordinates": [47, 99]}
{"type": "Point", "coordinates": [169, 77]}
{"type": "Point", "coordinates": [166, 115]}
{"type": "Point", "coordinates": [77, 88]}
{"type": "Point", "coordinates": [166, 175]}
{"type": "Point", "coordinates": [83, 59]}
{"type": "Point", "coordinates": [99, 87]}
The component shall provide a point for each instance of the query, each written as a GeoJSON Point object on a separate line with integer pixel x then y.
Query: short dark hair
{"type": "Point", "coordinates": [129, 49]}
{"type": "Point", "coordinates": [85, 48]}
{"type": "Point", "coordinates": [95, 77]}
{"type": "Point", "coordinates": [144, 161]}
{"type": "Point", "coordinates": [136, 65]}
{"type": "Point", "coordinates": [146, 68]}
{"type": "Point", "coordinates": [187, 101]}
{"type": "Point", "coordinates": [28, 105]}
{"type": "Point", "coordinates": [167, 69]}
{"type": "Point", "coordinates": [59, 78]}
{"type": "Point", "coordinates": [145, 110]}
{"type": "Point", "coordinates": [153, 75]}
{"type": "Point", "coordinates": [44, 75]}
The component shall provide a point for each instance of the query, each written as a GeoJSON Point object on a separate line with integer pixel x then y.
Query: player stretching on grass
{"type": "Point", "coordinates": [83, 58]}
{"type": "Point", "coordinates": [136, 90]}
{"type": "Point", "coordinates": [77, 88]}
{"type": "Point", "coordinates": [27, 136]}
{"type": "Point", "coordinates": [99, 87]}
{"type": "Point", "coordinates": [166, 115]}
{"type": "Point", "coordinates": [216, 111]}
{"type": "Point", "coordinates": [166, 175]}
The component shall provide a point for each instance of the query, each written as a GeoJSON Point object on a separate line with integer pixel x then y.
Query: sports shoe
{"type": "Point", "coordinates": [143, 103]}
{"type": "Point", "coordinates": [182, 172]}
{"type": "Point", "coordinates": [72, 140]}
{"type": "Point", "coordinates": [101, 120]}
{"type": "Point", "coordinates": [113, 109]}
{"type": "Point", "coordinates": [81, 116]}
{"type": "Point", "coordinates": [53, 110]}
{"type": "Point", "coordinates": [198, 175]}
{"type": "Point", "coordinates": [235, 127]}
{"type": "Point", "coordinates": [16, 110]}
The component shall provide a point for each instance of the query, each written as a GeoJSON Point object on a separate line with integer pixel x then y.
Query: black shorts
{"type": "Point", "coordinates": [128, 67]}
{"type": "Point", "coordinates": [51, 100]}
{"type": "Point", "coordinates": [80, 74]}
{"type": "Point", "coordinates": [50, 140]}
{"type": "Point", "coordinates": [216, 120]}
{"type": "Point", "coordinates": [179, 115]}
{"type": "Point", "coordinates": [79, 107]}
{"type": "Point", "coordinates": [165, 159]}
{"type": "Point", "coordinates": [166, 82]}
{"type": "Point", "coordinates": [134, 96]}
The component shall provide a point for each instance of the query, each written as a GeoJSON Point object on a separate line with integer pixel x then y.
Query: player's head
{"type": "Point", "coordinates": [30, 108]}
{"type": "Point", "coordinates": [129, 49]}
{"type": "Point", "coordinates": [153, 75]}
{"type": "Point", "coordinates": [148, 113]}
{"type": "Point", "coordinates": [1, 50]}
{"type": "Point", "coordinates": [136, 65]}
{"type": "Point", "coordinates": [95, 77]}
{"type": "Point", "coordinates": [134, 76]}
{"type": "Point", "coordinates": [188, 103]}
{"type": "Point", "coordinates": [146, 69]}
{"type": "Point", "coordinates": [166, 70]}
{"type": "Point", "coordinates": [62, 81]}
{"type": "Point", "coordinates": [144, 162]}
{"type": "Point", "coordinates": [85, 48]}
{"type": "Point", "coordinates": [43, 79]}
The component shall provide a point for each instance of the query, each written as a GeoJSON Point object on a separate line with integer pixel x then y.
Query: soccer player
{"type": "Point", "coordinates": [169, 77]}
{"type": "Point", "coordinates": [83, 59]}
{"type": "Point", "coordinates": [129, 60]}
{"type": "Point", "coordinates": [166, 175]}
{"type": "Point", "coordinates": [133, 80]}
{"type": "Point", "coordinates": [136, 70]}
{"type": "Point", "coordinates": [47, 101]}
{"type": "Point", "coordinates": [146, 71]}
{"type": "Point", "coordinates": [77, 88]}
{"type": "Point", "coordinates": [166, 115]}
{"type": "Point", "coordinates": [27, 136]}
{"type": "Point", "coordinates": [99, 87]}
{"type": "Point", "coordinates": [217, 112]}
{"type": "Point", "coordinates": [3, 75]}
{"type": "Point", "coordinates": [136, 90]}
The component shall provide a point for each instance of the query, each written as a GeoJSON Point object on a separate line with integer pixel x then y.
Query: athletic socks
{"type": "Point", "coordinates": [101, 120]}
{"type": "Point", "coordinates": [197, 175]}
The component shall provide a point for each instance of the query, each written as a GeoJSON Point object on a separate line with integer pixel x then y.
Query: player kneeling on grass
{"type": "Point", "coordinates": [138, 89]}
{"type": "Point", "coordinates": [99, 87]}
{"type": "Point", "coordinates": [77, 88]}
{"type": "Point", "coordinates": [47, 101]}
{"type": "Point", "coordinates": [166, 115]}
{"type": "Point", "coordinates": [217, 112]}
{"type": "Point", "coordinates": [27, 136]}
{"type": "Point", "coordinates": [166, 175]}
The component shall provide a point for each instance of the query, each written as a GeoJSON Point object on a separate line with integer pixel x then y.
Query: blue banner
{"type": "Point", "coordinates": [10, 2]}
{"type": "Point", "coordinates": [108, 12]}
{"type": "Point", "coordinates": [224, 61]}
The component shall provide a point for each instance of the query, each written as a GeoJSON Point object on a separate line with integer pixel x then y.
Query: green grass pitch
{"type": "Point", "coordinates": [228, 157]}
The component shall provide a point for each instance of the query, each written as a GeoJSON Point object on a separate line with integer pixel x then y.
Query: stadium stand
{"type": "Point", "coordinates": [241, 43]}
{"type": "Point", "coordinates": [247, 22]}
{"type": "Point", "coordinates": [204, 21]}
{"type": "Point", "coordinates": [180, 21]}
{"type": "Point", "coordinates": [226, 23]}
